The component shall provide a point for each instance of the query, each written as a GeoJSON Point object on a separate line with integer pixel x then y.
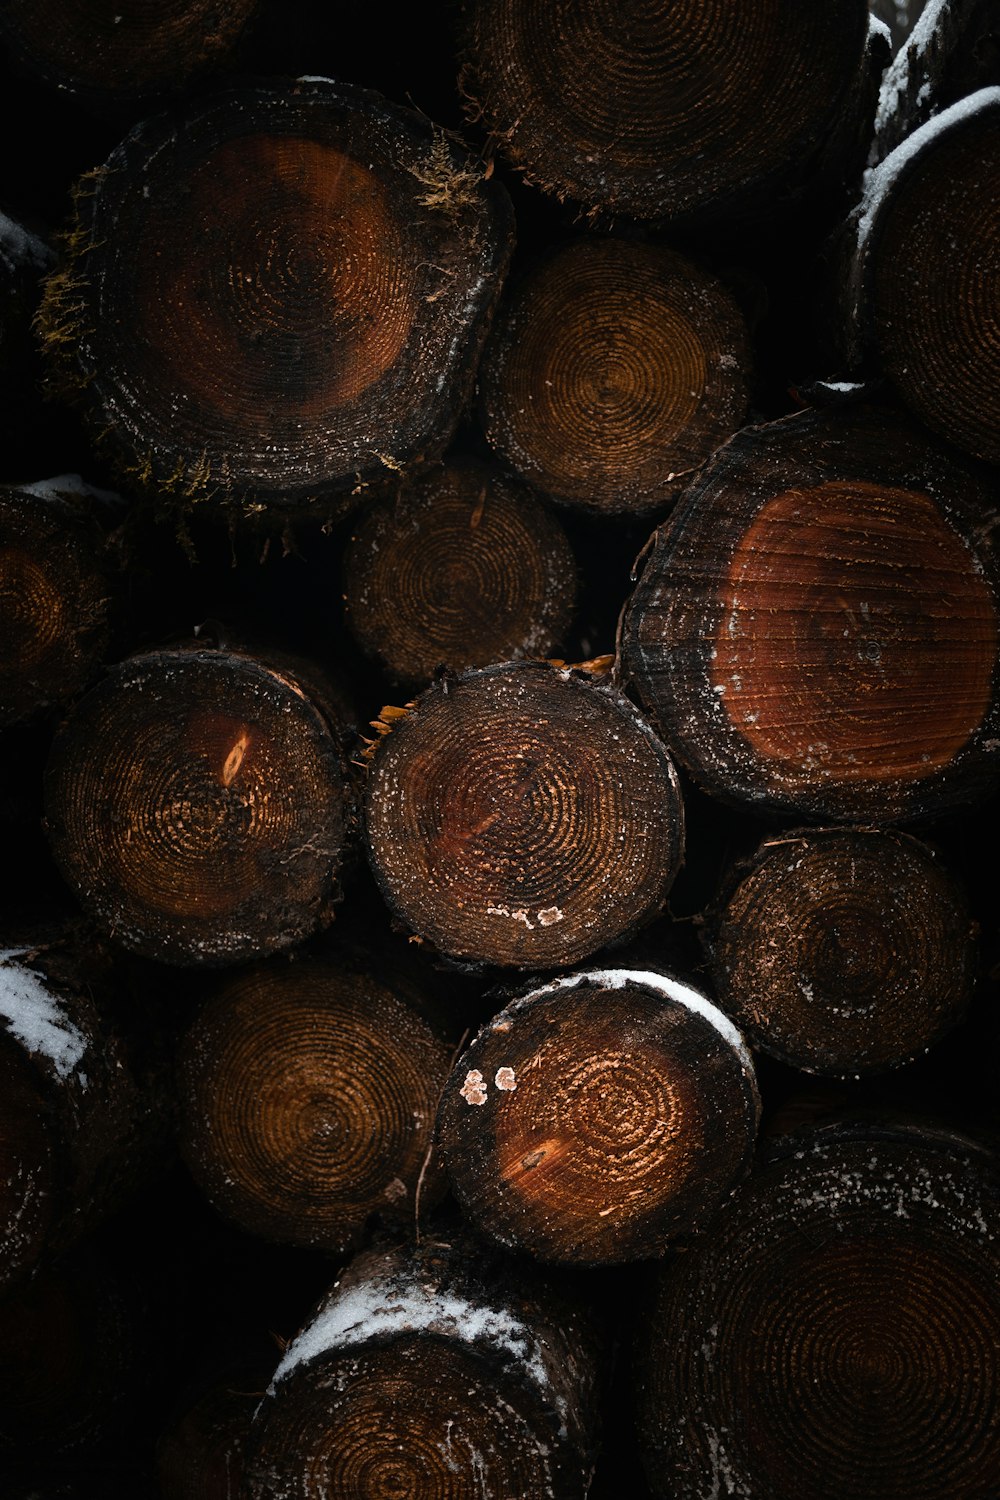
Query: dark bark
{"type": "Point", "coordinates": [614, 370]}
{"type": "Point", "coordinates": [816, 627]}
{"type": "Point", "coordinates": [276, 295]}
{"type": "Point", "coordinates": [843, 952]}
{"type": "Point", "coordinates": [600, 1118]}
{"type": "Point", "coordinates": [525, 815]}
{"type": "Point", "coordinates": [462, 570]}
{"type": "Point", "coordinates": [952, 50]}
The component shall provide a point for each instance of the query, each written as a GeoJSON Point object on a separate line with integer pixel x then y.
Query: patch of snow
{"type": "Point", "coordinates": [68, 484]}
{"type": "Point", "coordinates": [35, 1016]}
{"type": "Point", "coordinates": [20, 247]}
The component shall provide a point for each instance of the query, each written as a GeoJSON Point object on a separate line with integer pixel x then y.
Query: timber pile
{"type": "Point", "coordinates": [499, 751]}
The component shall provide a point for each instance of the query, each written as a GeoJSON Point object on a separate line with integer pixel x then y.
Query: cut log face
{"type": "Point", "coordinates": [660, 111]}
{"type": "Point", "coordinates": [308, 1096]}
{"type": "Point", "coordinates": [108, 51]}
{"type": "Point", "coordinates": [464, 569]}
{"type": "Point", "coordinates": [279, 294]}
{"type": "Point", "coordinates": [522, 816]}
{"type": "Point", "coordinates": [600, 1118]}
{"type": "Point", "coordinates": [837, 1332]}
{"type": "Point", "coordinates": [414, 1380]}
{"type": "Point", "coordinates": [816, 628]}
{"type": "Point", "coordinates": [931, 252]}
{"type": "Point", "coordinates": [843, 952]}
{"type": "Point", "coordinates": [196, 804]}
{"type": "Point", "coordinates": [53, 599]}
{"type": "Point", "coordinates": [615, 369]}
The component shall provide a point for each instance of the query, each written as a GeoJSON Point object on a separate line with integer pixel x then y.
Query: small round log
{"type": "Point", "coordinates": [426, 1377]}
{"type": "Point", "coordinates": [837, 1332]}
{"type": "Point", "coordinates": [276, 295]}
{"type": "Point", "coordinates": [661, 111]}
{"type": "Point", "coordinates": [196, 803]}
{"type": "Point", "coordinates": [600, 1118]}
{"type": "Point", "coordinates": [108, 53]}
{"type": "Point", "coordinates": [843, 952]}
{"type": "Point", "coordinates": [524, 815]}
{"type": "Point", "coordinates": [307, 1096]}
{"type": "Point", "coordinates": [54, 595]}
{"type": "Point", "coordinates": [816, 627]}
{"type": "Point", "coordinates": [615, 369]}
{"type": "Point", "coordinates": [460, 570]}
{"type": "Point", "coordinates": [923, 282]}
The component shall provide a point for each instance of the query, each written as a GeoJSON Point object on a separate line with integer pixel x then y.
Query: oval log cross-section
{"type": "Point", "coordinates": [816, 627]}
{"type": "Point", "coordinates": [843, 951]}
{"type": "Point", "coordinates": [600, 1118]}
{"type": "Point", "coordinates": [837, 1332]}
{"type": "Point", "coordinates": [661, 110]}
{"type": "Point", "coordinates": [615, 369]}
{"type": "Point", "coordinates": [423, 1374]}
{"type": "Point", "coordinates": [461, 570]}
{"type": "Point", "coordinates": [308, 1095]}
{"type": "Point", "coordinates": [196, 804]}
{"type": "Point", "coordinates": [524, 815]}
{"type": "Point", "coordinates": [277, 294]}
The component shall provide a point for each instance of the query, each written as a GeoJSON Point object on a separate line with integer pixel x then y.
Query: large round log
{"type": "Point", "coordinates": [816, 627]}
{"type": "Point", "coordinates": [659, 111]}
{"type": "Point", "coordinates": [196, 803]}
{"type": "Point", "coordinates": [843, 952]}
{"type": "Point", "coordinates": [276, 294]}
{"type": "Point", "coordinates": [424, 1376]}
{"type": "Point", "coordinates": [524, 815]}
{"type": "Point", "coordinates": [460, 570]}
{"type": "Point", "coordinates": [307, 1098]}
{"type": "Point", "coordinates": [837, 1332]}
{"type": "Point", "coordinates": [600, 1118]}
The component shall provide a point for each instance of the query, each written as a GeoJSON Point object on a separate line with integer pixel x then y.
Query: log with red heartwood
{"type": "Point", "coordinates": [817, 626]}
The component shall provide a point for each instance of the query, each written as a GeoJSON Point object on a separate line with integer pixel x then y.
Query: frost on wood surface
{"type": "Point", "coordinates": [35, 1016]}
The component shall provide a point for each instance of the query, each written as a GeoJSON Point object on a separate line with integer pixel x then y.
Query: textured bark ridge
{"type": "Point", "coordinates": [816, 627]}
{"type": "Point", "coordinates": [197, 804]}
{"type": "Point", "coordinates": [524, 815]}
{"type": "Point", "coordinates": [843, 951]}
{"type": "Point", "coordinates": [424, 1377]}
{"type": "Point", "coordinates": [615, 369]}
{"type": "Point", "coordinates": [837, 1332]}
{"type": "Point", "coordinates": [922, 279]}
{"type": "Point", "coordinates": [952, 50]}
{"type": "Point", "coordinates": [461, 570]}
{"type": "Point", "coordinates": [661, 111]}
{"type": "Point", "coordinates": [71, 1118]}
{"type": "Point", "coordinates": [277, 294]}
{"type": "Point", "coordinates": [54, 587]}
{"type": "Point", "coordinates": [111, 53]}
{"type": "Point", "coordinates": [308, 1094]}
{"type": "Point", "coordinates": [600, 1118]}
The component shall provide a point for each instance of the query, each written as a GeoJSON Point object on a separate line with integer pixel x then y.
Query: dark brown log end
{"type": "Point", "coordinates": [414, 1381]}
{"type": "Point", "coordinates": [462, 570]}
{"type": "Point", "coordinates": [196, 804]}
{"type": "Point", "coordinates": [53, 599]}
{"type": "Point", "coordinates": [308, 1095]}
{"type": "Point", "coordinates": [277, 294]}
{"type": "Point", "coordinates": [843, 952]}
{"type": "Point", "coordinates": [659, 112]}
{"type": "Point", "coordinates": [200, 1456]}
{"type": "Point", "coordinates": [931, 246]}
{"type": "Point", "coordinates": [837, 1332]}
{"type": "Point", "coordinates": [107, 52]}
{"type": "Point", "coordinates": [600, 1118]}
{"type": "Point", "coordinates": [816, 628]}
{"type": "Point", "coordinates": [524, 815]}
{"type": "Point", "coordinates": [615, 369]}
